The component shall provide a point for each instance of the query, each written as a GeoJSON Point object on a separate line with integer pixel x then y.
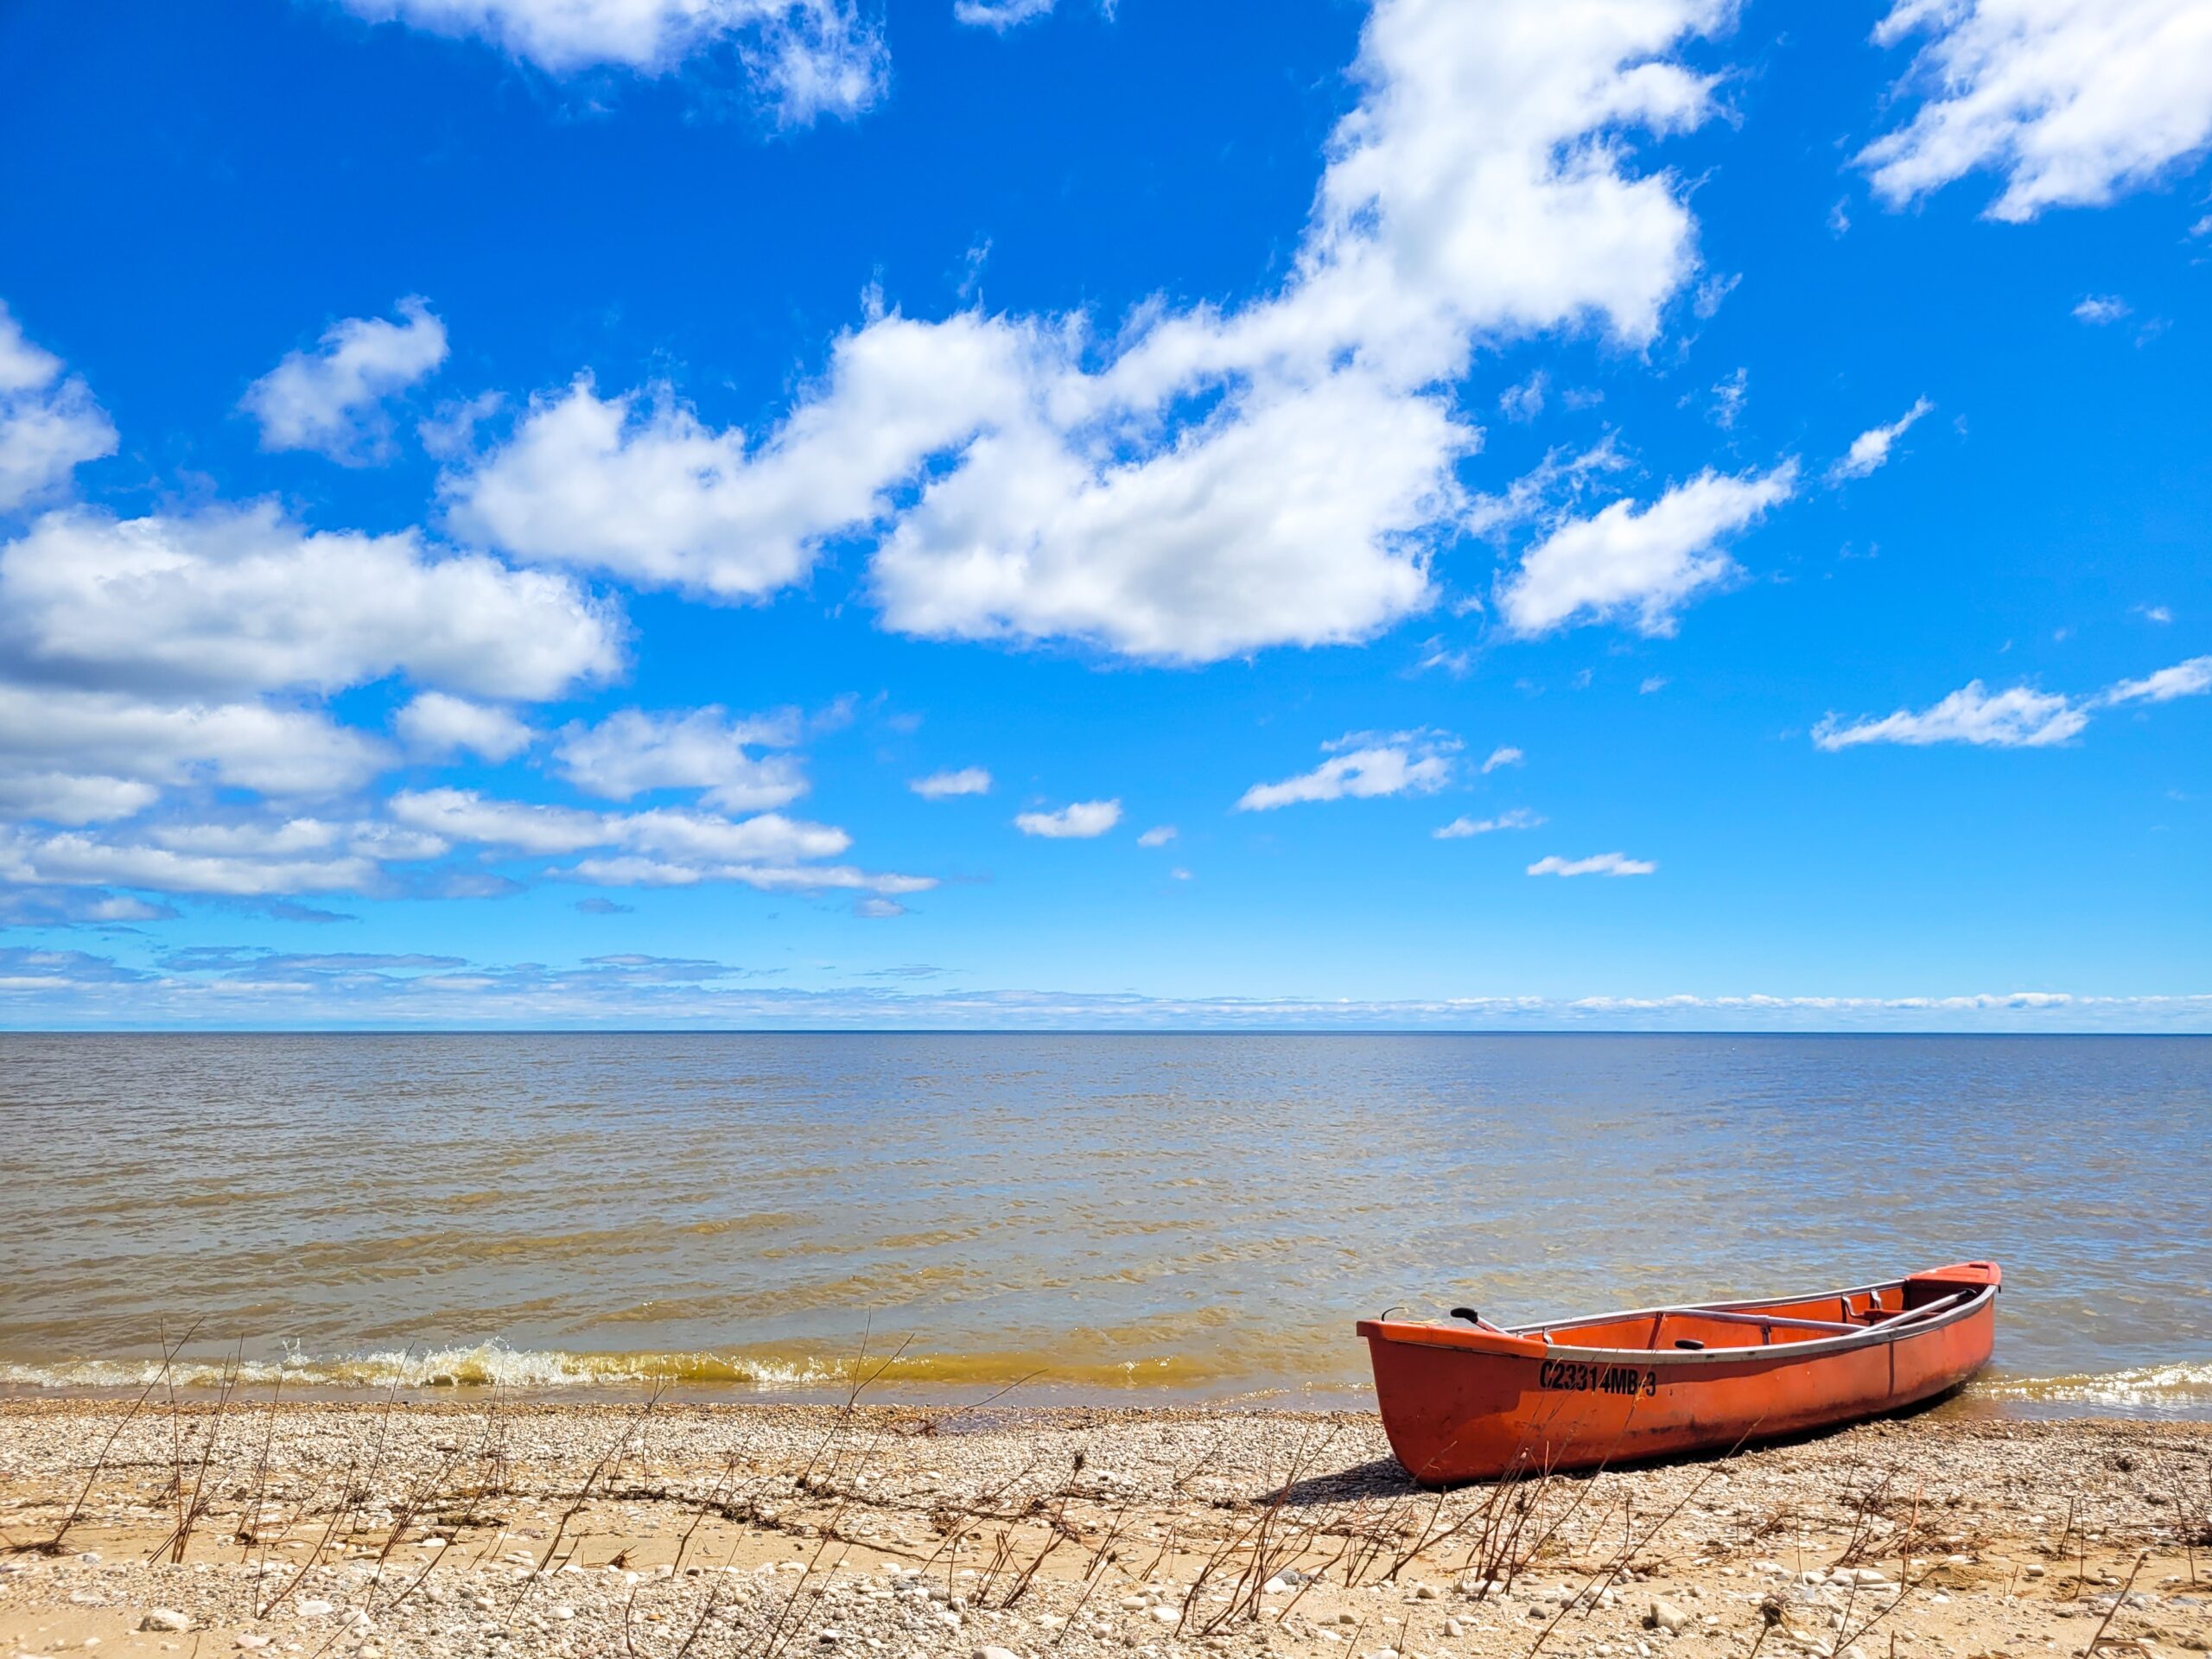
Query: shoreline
{"type": "Point", "coordinates": [663, 1527]}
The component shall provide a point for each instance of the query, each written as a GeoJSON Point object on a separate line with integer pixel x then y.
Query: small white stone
{"type": "Point", "coordinates": [1167, 1615]}
{"type": "Point", "coordinates": [313, 1608]}
{"type": "Point", "coordinates": [1454, 1629]}
{"type": "Point", "coordinates": [165, 1618]}
{"type": "Point", "coordinates": [994, 1653]}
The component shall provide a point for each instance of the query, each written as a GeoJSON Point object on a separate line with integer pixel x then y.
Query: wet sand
{"type": "Point", "coordinates": [652, 1530]}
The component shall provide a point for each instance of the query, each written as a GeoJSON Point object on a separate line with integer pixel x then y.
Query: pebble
{"type": "Point", "coordinates": [994, 1653]}
{"type": "Point", "coordinates": [165, 1618]}
{"type": "Point", "coordinates": [1663, 1615]}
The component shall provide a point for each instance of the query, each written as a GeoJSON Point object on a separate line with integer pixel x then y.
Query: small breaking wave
{"type": "Point", "coordinates": [494, 1364]}
{"type": "Point", "coordinates": [2177, 1390]}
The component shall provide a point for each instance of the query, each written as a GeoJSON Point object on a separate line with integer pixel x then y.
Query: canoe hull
{"type": "Point", "coordinates": [1473, 1404]}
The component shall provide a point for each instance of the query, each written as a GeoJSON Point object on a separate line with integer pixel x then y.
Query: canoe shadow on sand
{"type": "Point", "coordinates": [1383, 1478]}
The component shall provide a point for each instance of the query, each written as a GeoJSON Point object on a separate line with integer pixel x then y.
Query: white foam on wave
{"type": "Point", "coordinates": [2171, 1387]}
{"type": "Point", "coordinates": [485, 1364]}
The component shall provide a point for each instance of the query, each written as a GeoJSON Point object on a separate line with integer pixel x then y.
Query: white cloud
{"type": "Point", "coordinates": [1001, 15]}
{"type": "Point", "coordinates": [1503, 755]}
{"type": "Point", "coordinates": [876, 907]}
{"type": "Point", "coordinates": [2158, 613]}
{"type": "Point", "coordinates": [1526, 400]}
{"type": "Point", "coordinates": [48, 425]}
{"type": "Point", "coordinates": [1282, 521]}
{"type": "Point", "coordinates": [942, 785]}
{"type": "Point", "coordinates": [225, 601]}
{"type": "Point", "coordinates": [808, 57]}
{"type": "Point", "coordinates": [1598, 864]}
{"type": "Point", "coordinates": [331, 400]}
{"type": "Point", "coordinates": [115, 736]}
{"type": "Point", "coordinates": [1652, 683]}
{"type": "Point", "coordinates": [1160, 835]}
{"type": "Point", "coordinates": [75, 859]}
{"type": "Point", "coordinates": [1728, 396]}
{"type": "Point", "coordinates": [1871, 449]}
{"type": "Point", "coordinates": [641, 487]}
{"type": "Point", "coordinates": [462, 815]}
{"type": "Point", "coordinates": [1208, 482]}
{"type": "Point", "coordinates": [1647, 562]}
{"type": "Point", "coordinates": [2018, 719]}
{"type": "Point", "coordinates": [631, 752]}
{"type": "Point", "coordinates": [72, 797]}
{"type": "Point", "coordinates": [2021, 718]}
{"type": "Point", "coordinates": [1080, 820]}
{"type": "Point", "coordinates": [2100, 308]}
{"type": "Point", "coordinates": [2072, 101]}
{"type": "Point", "coordinates": [438, 725]}
{"type": "Point", "coordinates": [1460, 828]}
{"type": "Point", "coordinates": [2189, 679]}
{"type": "Point", "coordinates": [1363, 766]}
{"type": "Point", "coordinates": [662, 847]}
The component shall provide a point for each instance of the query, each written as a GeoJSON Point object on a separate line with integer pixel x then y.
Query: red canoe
{"type": "Point", "coordinates": [1473, 1402]}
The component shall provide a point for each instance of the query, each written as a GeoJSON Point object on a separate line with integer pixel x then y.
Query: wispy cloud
{"type": "Point", "coordinates": [2098, 310]}
{"type": "Point", "coordinates": [1640, 564]}
{"type": "Point", "coordinates": [2018, 718]}
{"type": "Point", "coordinates": [2190, 679]}
{"type": "Point", "coordinates": [943, 786]}
{"type": "Point", "coordinates": [1362, 765]}
{"type": "Point", "coordinates": [1871, 449]}
{"type": "Point", "coordinates": [1080, 820]}
{"type": "Point", "coordinates": [1519, 818]}
{"type": "Point", "coordinates": [1158, 836]}
{"type": "Point", "coordinates": [1596, 864]}
{"type": "Point", "coordinates": [1503, 755]}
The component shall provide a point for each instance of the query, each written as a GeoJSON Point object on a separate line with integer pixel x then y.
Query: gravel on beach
{"type": "Point", "coordinates": [651, 1529]}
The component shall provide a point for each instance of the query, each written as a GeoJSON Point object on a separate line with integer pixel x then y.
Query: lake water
{"type": "Point", "coordinates": [1132, 1218]}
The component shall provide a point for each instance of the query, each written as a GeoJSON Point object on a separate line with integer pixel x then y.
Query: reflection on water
{"type": "Point", "coordinates": [1200, 1215]}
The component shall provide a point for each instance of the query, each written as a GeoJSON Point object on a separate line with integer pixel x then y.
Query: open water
{"type": "Point", "coordinates": [1096, 1216]}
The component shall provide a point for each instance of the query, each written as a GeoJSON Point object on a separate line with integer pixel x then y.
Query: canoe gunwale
{"type": "Point", "coordinates": [1527, 1341]}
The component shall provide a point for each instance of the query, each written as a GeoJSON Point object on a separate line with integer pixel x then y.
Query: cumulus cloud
{"type": "Point", "coordinates": [48, 424]}
{"type": "Point", "coordinates": [1460, 828]}
{"type": "Point", "coordinates": [331, 400]}
{"type": "Point", "coordinates": [943, 786]}
{"type": "Point", "coordinates": [229, 600]}
{"type": "Point", "coordinates": [2072, 104]}
{"type": "Point", "coordinates": [638, 485]}
{"type": "Point", "coordinates": [1208, 482]}
{"type": "Point", "coordinates": [1362, 767]}
{"type": "Point", "coordinates": [1080, 820]}
{"type": "Point", "coordinates": [1642, 564]}
{"type": "Point", "coordinates": [808, 57]}
{"type": "Point", "coordinates": [1871, 449]}
{"type": "Point", "coordinates": [438, 725]}
{"type": "Point", "coordinates": [632, 752]}
{"type": "Point", "coordinates": [2021, 718]}
{"type": "Point", "coordinates": [1597, 864]}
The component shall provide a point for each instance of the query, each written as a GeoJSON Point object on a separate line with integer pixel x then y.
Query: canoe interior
{"type": "Point", "coordinates": [1818, 1317]}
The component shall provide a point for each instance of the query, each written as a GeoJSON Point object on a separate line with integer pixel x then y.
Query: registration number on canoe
{"type": "Point", "coordinates": [1596, 1379]}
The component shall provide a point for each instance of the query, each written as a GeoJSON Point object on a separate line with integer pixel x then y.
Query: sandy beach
{"type": "Point", "coordinates": [659, 1530]}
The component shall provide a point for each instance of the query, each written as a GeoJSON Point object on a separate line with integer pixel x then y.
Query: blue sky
{"type": "Point", "coordinates": [765, 512]}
